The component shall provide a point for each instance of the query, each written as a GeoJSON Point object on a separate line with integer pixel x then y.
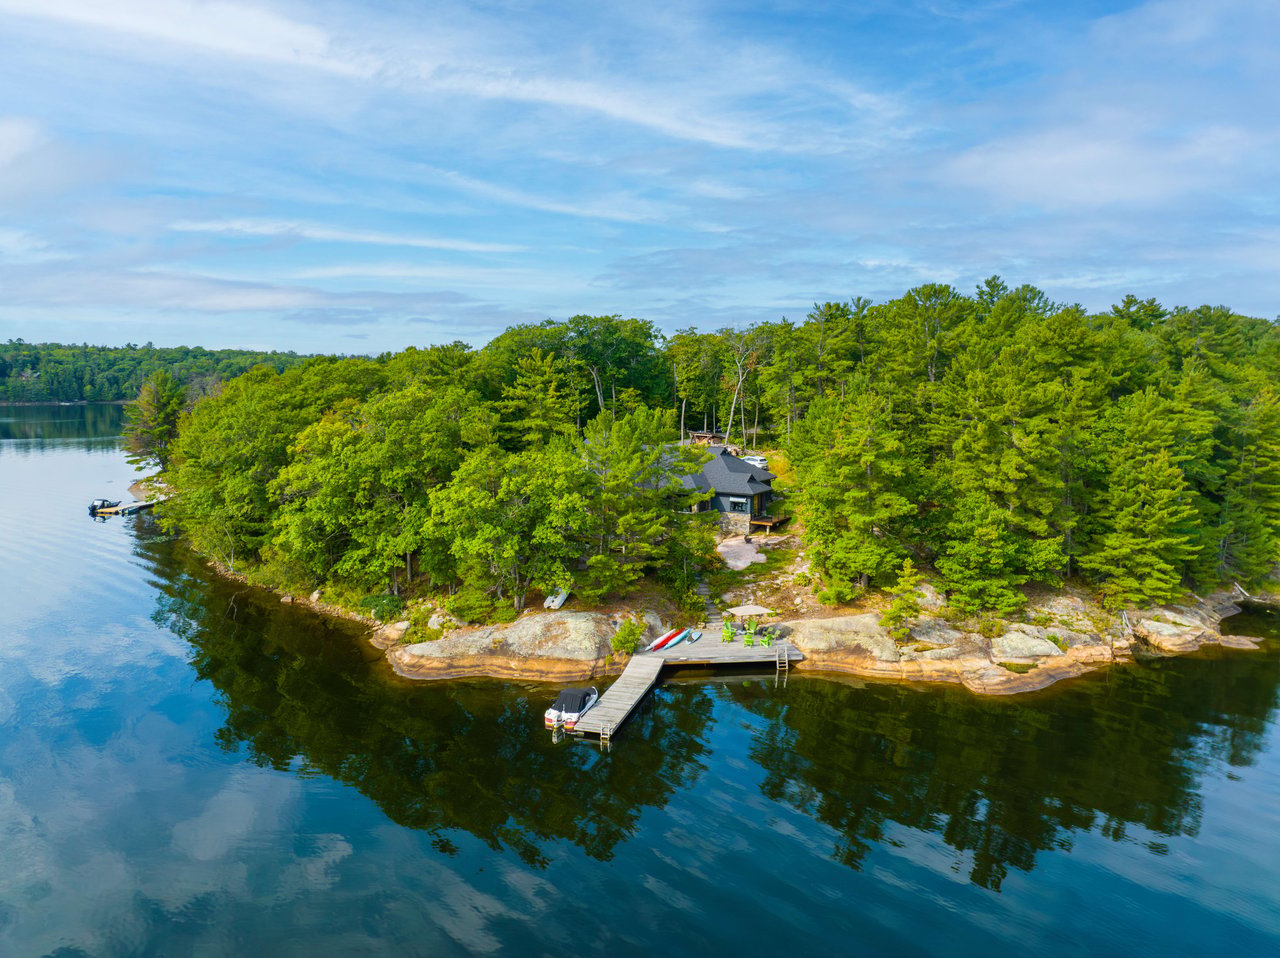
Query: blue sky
{"type": "Point", "coordinates": [321, 175]}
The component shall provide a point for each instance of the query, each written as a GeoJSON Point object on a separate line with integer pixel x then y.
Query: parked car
{"type": "Point", "coordinates": [760, 462]}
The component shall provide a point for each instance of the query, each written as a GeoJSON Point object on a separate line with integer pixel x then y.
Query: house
{"type": "Point", "coordinates": [739, 491]}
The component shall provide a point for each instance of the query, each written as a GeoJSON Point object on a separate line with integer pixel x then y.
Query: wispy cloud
{"type": "Point", "coordinates": [328, 234]}
{"type": "Point", "coordinates": [230, 29]}
{"type": "Point", "coordinates": [215, 167]}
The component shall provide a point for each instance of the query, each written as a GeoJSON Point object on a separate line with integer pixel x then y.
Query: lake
{"type": "Point", "coordinates": [188, 767]}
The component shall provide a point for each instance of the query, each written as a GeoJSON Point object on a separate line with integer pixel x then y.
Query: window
{"type": "Point", "coordinates": [737, 505]}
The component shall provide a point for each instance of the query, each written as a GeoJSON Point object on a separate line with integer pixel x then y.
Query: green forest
{"type": "Point", "coordinates": [996, 440]}
{"type": "Point", "coordinates": [53, 372]}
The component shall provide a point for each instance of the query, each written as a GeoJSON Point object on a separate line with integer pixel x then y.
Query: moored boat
{"type": "Point", "coordinates": [98, 505]}
{"type": "Point", "coordinates": [569, 707]}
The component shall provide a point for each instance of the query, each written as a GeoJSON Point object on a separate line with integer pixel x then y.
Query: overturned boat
{"type": "Point", "coordinates": [569, 706]}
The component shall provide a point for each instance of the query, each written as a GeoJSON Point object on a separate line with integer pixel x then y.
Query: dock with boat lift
{"type": "Point", "coordinates": [643, 671]}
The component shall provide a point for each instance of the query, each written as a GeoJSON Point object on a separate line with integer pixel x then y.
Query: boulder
{"type": "Point", "coordinates": [315, 596]}
{"type": "Point", "coordinates": [930, 598]}
{"type": "Point", "coordinates": [935, 632]}
{"type": "Point", "coordinates": [1020, 645]}
{"type": "Point", "coordinates": [554, 645]}
{"type": "Point", "coordinates": [442, 620]}
{"type": "Point", "coordinates": [843, 633]}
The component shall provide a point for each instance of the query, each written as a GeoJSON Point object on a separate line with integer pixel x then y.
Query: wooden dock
{"type": "Point", "coordinates": [621, 698]}
{"type": "Point", "coordinates": [129, 508]}
{"type": "Point", "coordinates": [644, 669]}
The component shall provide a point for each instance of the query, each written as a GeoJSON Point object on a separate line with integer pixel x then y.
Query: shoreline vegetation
{"type": "Point", "coordinates": [950, 466]}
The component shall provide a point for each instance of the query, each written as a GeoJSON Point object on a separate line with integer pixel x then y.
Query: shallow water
{"type": "Point", "coordinates": [188, 767]}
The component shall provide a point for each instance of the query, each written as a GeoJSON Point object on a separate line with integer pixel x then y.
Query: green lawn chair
{"type": "Point", "coordinates": [727, 634]}
{"type": "Point", "coordinates": [766, 638]}
{"type": "Point", "coordinates": [749, 639]}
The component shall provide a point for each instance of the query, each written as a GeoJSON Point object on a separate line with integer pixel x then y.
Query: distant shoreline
{"type": "Point", "coordinates": [78, 402]}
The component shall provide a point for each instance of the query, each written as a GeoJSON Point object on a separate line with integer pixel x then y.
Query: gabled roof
{"type": "Point", "coordinates": [727, 475]}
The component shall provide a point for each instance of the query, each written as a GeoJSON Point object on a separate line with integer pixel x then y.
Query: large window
{"type": "Point", "coordinates": [738, 505]}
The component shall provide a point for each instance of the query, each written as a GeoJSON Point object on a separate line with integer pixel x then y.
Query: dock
{"type": "Point", "coordinates": [129, 508]}
{"type": "Point", "coordinates": [644, 669]}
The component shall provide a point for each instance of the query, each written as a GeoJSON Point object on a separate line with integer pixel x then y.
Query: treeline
{"type": "Point", "coordinates": [53, 372]}
{"type": "Point", "coordinates": [999, 439]}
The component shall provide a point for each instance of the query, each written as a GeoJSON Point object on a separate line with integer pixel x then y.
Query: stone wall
{"type": "Point", "coordinates": [737, 523]}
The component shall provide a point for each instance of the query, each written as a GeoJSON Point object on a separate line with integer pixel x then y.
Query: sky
{"type": "Point", "coordinates": [330, 176]}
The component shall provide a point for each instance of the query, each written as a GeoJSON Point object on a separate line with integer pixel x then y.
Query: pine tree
{"type": "Point", "coordinates": [153, 418]}
{"type": "Point", "coordinates": [905, 602]}
{"type": "Point", "coordinates": [1150, 523]}
{"type": "Point", "coordinates": [537, 405]}
{"type": "Point", "coordinates": [849, 464]}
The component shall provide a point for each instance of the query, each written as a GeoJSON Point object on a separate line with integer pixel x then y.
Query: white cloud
{"type": "Point", "coordinates": [328, 234]}
{"type": "Point", "coordinates": [1102, 163]}
{"type": "Point", "coordinates": [230, 29]}
{"type": "Point", "coordinates": [18, 137]}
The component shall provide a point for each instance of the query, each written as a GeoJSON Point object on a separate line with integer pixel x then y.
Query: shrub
{"type": "Point", "coordinates": [506, 612]}
{"type": "Point", "coordinates": [470, 604]}
{"type": "Point", "coordinates": [627, 637]}
{"type": "Point", "coordinates": [383, 606]}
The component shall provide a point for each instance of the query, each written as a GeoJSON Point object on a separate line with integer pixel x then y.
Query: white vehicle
{"type": "Point", "coordinates": [556, 600]}
{"type": "Point", "coordinates": [568, 708]}
{"type": "Point", "coordinates": [760, 462]}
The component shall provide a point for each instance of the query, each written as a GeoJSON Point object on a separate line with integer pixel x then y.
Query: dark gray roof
{"type": "Point", "coordinates": [727, 475]}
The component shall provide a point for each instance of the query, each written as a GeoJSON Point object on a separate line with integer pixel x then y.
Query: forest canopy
{"type": "Point", "coordinates": [53, 372]}
{"type": "Point", "coordinates": [996, 440]}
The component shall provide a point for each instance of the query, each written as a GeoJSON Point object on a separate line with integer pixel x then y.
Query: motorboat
{"type": "Point", "coordinates": [569, 706]}
{"type": "Point", "coordinates": [557, 599]}
{"type": "Point", "coordinates": [98, 505]}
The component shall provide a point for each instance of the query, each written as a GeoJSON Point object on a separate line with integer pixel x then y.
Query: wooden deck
{"type": "Point", "coordinates": [644, 669]}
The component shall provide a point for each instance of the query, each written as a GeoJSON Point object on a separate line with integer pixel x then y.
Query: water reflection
{"type": "Point", "coordinates": [1000, 782]}
{"type": "Point", "coordinates": [301, 692]}
{"type": "Point", "coordinates": [54, 422]}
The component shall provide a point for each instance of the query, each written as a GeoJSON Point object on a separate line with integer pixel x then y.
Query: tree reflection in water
{"type": "Point", "coordinates": [999, 781]}
{"type": "Point", "coordinates": [304, 693]}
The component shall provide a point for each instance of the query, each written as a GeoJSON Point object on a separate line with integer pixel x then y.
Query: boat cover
{"type": "Point", "coordinates": [572, 700]}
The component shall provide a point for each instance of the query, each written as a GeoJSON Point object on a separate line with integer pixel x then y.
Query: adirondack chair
{"type": "Point", "coordinates": [727, 634]}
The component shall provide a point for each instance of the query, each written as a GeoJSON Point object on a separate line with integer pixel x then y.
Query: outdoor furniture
{"type": "Point", "coordinates": [727, 634]}
{"type": "Point", "coordinates": [749, 639]}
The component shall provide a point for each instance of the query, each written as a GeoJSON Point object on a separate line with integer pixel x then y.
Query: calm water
{"type": "Point", "coordinates": [187, 768]}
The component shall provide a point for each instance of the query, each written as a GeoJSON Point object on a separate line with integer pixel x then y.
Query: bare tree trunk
{"type": "Point", "coordinates": [595, 378]}
{"type": "Point", "coordinates": [683, 403]}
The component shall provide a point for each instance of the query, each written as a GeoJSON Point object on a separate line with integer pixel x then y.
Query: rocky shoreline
{"type": "Point", "coordinates": [1070, 637]}
{"type": "Point", "coordinates": [1065, 636]}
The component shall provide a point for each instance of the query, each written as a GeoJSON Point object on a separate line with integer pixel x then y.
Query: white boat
{"type": "Point", "coordinates": [569, 706]}
{"type": "Point", "coordinates": [556, 600]}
